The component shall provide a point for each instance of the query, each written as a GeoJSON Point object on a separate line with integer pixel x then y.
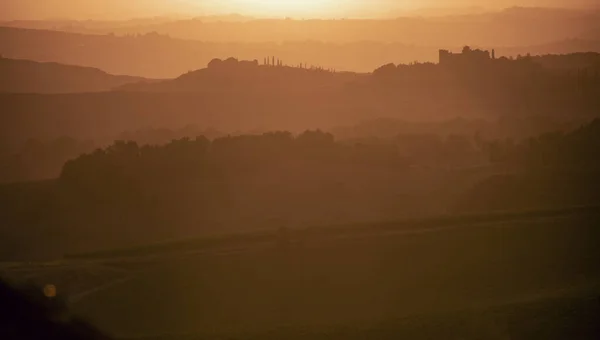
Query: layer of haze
{"type": "Point", "coordinates": [118, 9]}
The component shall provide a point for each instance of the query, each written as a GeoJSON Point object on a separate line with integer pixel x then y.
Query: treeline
{"type": "Point", "coordinates": [571, 149]}
{"type": "Point", "coordinates": [552, 170]}
{"type": "Point", "coordinates": [127, 194]}
{"type": "Point", "coordinates": [277, 177]}
{"type": "Point", "coordinates": [417, 143]}
{"type": "Point", "coordinates": [522, 85]}
{"type": "Point", "coordinates": [251, 153]}
{"type": "Point", "coordinates": [513, 128]}
{"type": "Point", "coordinates": [187, 158]}
{"type": "Point", "coordinates": [37, 159]}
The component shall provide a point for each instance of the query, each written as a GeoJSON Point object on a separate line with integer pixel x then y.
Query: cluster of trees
{"type": "Point", "coordinates": [417, 143]}
{"type": "Point", "coordinates": [37, 159]}
{"type": "Point", "coordinates": [270, 168]}
{"type": "Point", "coordinates": [572, 149]}
{"type": "Point", "coordinates": [552, 170]}
{"type": "Point", "coordinates": [512, 86]}
{"type": "Point", "coordinates": [183, 158]}
{"type": "Point", "coordinates": [514, 128]}
{"type": "Point", "coordinates": [277, 164]}
{"type": "Point", "coordinates": [540, 72]}
{"type": "Point", "coordinates": [126, 193]}
{"type": "Point", "coordinates": [192, 158]}
{"type": "Point", "coordinates": [161, 136]}
{"type": "Point", "coordinates": [587, 61]}
{"type": "Point", "coordinates": [248, 76]}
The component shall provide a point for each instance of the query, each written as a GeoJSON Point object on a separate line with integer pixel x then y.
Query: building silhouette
{"type": "Point", "coordinates": [467, 57]}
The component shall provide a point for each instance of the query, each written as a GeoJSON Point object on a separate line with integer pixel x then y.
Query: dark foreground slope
{"type": "Point", "coordinates": [24, 76]}
{"type": "Point", "coordinates": [27, 314]}
{"type": "Point", "coordinates": [533, 279]}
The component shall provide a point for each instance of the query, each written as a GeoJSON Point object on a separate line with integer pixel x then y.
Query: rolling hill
{"type": "Point", "coordinates": [248, 76]}
{"type": "Point", "coordinates": [157, 55]}
{"type": "Point", "coordinates": [448, 283]}
{"type": "Point", "coordinates": [25, 76]}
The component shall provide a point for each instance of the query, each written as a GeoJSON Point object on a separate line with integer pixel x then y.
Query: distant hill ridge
{"type": "Point", "coordinates": [232, 74]}
{"type": "Point", "coordinates": [271, 74]}
{"type": "Point", "coordinates": [156, 55]}
{"type": "Point", "coordinates": [25, 76]}
{"type": "Point", "coordinates": [274, 75]}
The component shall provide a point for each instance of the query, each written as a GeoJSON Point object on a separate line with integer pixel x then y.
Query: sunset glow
{"type": "Point", "coordinates": [119, 9]}
{"type": "Point", "coordinates": [299, 169]}
{"type": "Point", "coordinates": [285, 7]}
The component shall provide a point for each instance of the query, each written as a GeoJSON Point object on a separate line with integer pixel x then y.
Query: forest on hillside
{"type": "Point", "coordinates": [131, 194]}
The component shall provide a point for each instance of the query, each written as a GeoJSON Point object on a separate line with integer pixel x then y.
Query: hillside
{"type": "Point", "coordinates": [446, 283]}
{"type": "Point", "coordinates": [245, 96]}
{"type": "Point", "coordinates": [232, 75]}
{"type": "Point", "coordinates": [252, 182]}
{"type": "Point", "coordinates": [157, 55]}
{"type": "Point", "coordinates": [25, 76]}
{"type": "Point", "coordinates": [579, 46]}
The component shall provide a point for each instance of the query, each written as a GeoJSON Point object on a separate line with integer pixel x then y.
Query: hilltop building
{"type": "Point", "coordinates": [467, 57]}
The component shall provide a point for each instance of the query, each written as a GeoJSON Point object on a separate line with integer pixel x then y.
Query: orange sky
{"type": "Point", "coordinates": [121, 9]}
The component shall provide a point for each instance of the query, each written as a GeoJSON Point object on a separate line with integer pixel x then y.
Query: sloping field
{"type": "Point", "coordinates": [527, 279]}
{"type": "Point", "coordinates": [319, 233]}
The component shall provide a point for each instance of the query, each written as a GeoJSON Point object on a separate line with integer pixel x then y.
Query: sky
{"type": "Point", "coordinates": [123, 9]}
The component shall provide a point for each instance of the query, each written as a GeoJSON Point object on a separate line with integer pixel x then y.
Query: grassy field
{"type": "Point", "coordinates": [536, 278]}
{"type": "Point", "coordinates": [527, 275]}
{"type": "Point", "coordinates": [336, 231]}
{"type": "Point", "coordinates": [565, 318]}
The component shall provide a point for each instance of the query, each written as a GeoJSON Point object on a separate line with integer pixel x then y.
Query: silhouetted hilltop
{"type": "Point", "coordinates": [524, 83]}
{"type": "Point", "coordinates": [273, 75]}
{"type": "Point", "coordinates": [243, 75]}
{"type": "Point", "coordinates": [246, 96]}
{"type": "Point", "coordinates": [156, 55]}
{"type": "Point", "coordinates": [588, 61]}
{"type": "Point", "coordinates": [568, 46]}
{"type": "Point", "coordinates": [24, 76]}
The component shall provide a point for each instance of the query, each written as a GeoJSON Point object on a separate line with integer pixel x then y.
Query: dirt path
{"type": "Point", "coordinates": [78, 297]}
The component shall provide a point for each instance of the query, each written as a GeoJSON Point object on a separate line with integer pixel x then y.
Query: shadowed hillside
{"type": "Point", "coordinates": [24, 76]}
{"type": "Point", "coordinates": [236, 95]}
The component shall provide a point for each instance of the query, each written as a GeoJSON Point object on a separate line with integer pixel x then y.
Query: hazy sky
{"type": "Point", "coordinates": [120, 9]}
